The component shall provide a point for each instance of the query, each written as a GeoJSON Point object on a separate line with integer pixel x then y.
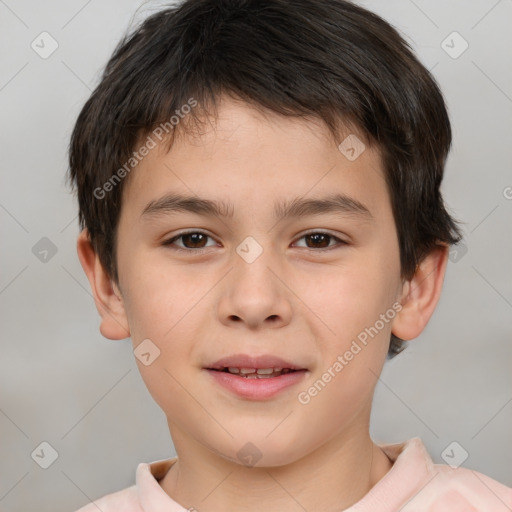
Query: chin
{"type": "Point", "coordinates": [262, 452]}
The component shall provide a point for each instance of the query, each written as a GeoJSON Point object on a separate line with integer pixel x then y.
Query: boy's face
{"type": "Point", "coordinates": [304, 299]}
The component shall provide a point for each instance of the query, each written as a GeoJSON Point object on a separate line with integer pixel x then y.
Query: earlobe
{"type": "Point", "coordinates": [108, 300]}
{"type": "Point", "coordinates": [421, 294]}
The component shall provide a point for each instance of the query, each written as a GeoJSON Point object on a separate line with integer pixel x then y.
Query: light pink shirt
{"type": "Point", "coordinates": [413, 484]}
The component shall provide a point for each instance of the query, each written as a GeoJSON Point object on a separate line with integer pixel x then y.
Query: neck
{"type": "Point", "coordinates": [332, 478]}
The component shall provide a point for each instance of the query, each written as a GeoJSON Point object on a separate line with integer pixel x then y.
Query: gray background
{"type": "Point", "coordinates": [63, 383]}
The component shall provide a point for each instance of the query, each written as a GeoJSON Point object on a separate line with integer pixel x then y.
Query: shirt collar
{"type": "Point", "coordinates": [151, 496]}
{"type": "Point", "coordinates": [412, 467]}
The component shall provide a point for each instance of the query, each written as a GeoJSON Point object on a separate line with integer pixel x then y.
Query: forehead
{"type": "Point", "coordinates": [248, 159]}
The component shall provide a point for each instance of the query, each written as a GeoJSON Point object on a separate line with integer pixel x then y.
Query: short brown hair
{"type": "Point", "coordinates": [327, 59]}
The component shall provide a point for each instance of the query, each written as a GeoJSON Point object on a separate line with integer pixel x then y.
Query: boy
{"type": "Point", "coordinates": [258, 186]}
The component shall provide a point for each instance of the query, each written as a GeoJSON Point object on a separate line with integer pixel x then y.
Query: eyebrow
{"type": "Point", "coordinates": [298, 207]}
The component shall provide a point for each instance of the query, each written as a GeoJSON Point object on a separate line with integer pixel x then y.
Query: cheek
{"type": "Point", "coordinates": [338, 397]}
{"type": "Point", "coordinates": [352, 357]}
{"type": "Point", "coordinates": [160, 297]}
{"type": "Point", "coordinates": [355, 302]}
{"type": "Point", "coordinates": [164, 305]}
{"type": "Point", "coordinates": [352, 297]}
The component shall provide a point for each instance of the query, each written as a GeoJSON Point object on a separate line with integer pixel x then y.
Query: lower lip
{"type": "Point", "coordinates": [257, 389]}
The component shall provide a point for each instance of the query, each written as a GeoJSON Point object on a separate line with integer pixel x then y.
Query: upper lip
{"type": "Point", "coordinates": [253, 361]}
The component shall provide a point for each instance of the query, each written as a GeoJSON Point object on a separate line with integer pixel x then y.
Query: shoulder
{"type": "Point", "coordinates": [419, 485]}
{"type": "Point", "coordinates": [125, 500]}
{"type": "Point", "coordinates": [461, 489]}
{"type": "Point", "coordinates": [146, 494]}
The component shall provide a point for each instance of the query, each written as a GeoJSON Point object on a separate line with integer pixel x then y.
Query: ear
{"type": "Point", "coordinates": [107, 297]}
{"type": "Point", "coordinates": [421, 294]}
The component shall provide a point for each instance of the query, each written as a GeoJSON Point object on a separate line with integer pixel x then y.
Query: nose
{"type": "Point", "coordinates": [254, 296]}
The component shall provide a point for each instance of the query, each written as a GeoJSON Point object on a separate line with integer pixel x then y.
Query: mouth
{"type": "Point", "coordinates": [255, 377]}
{"type": "Point", "coordinates": [245, 364]}
{"type": "Point", "coordinates": [255, 373]}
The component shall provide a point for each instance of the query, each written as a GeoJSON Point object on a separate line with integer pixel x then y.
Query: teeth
{"type": "Point", "coordinates": [258, 373]}
{"type": "Point", "coordinates": [264, 371]}
{"type": "Point", "coordinates": [247, 370]}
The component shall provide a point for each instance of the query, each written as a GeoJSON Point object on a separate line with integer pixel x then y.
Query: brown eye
{"type": "Point", "coordinates": [189, 241]}
{"type": "Point", "coordinates": [320, 240]}
{"type": "Point", "coordinates": [194, 240]}
{"type": "Point", "coordinates": [317, 240]}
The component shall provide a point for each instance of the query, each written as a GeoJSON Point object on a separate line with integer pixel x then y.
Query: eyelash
{"type": "Point", "coordinates": [169, 243]}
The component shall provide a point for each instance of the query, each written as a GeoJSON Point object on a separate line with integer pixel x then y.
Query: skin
{"type": "Point", "coordinates": [304, 304]}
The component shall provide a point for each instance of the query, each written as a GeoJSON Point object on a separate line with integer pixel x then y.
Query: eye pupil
{"type": "Point", "coordinates": [318, 238]}
{"type": "Point", "coordinates": [196, 239]}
